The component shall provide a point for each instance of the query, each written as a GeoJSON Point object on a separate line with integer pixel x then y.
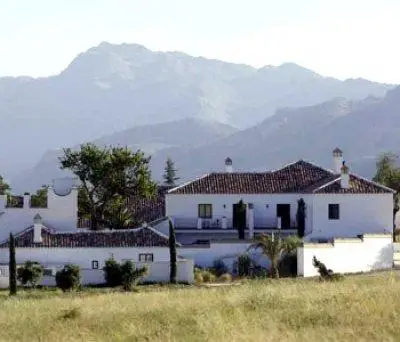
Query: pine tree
{"type": "Point", "coordinates": [170, 173]}
{"type": "Point", "coordinates": [172, 254]}
{"type": "Point", "coordinates": [12, 267]}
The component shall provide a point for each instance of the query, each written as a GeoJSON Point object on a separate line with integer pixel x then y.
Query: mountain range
{"type": "Point", "coordinates": [196, 110]}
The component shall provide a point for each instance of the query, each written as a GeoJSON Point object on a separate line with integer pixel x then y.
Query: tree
{"type": "Point", "coordinates": [107, 175]}
{"type": "Point", "coordinates": [170, 173]}
{"type": "Point", "coordinates": [172, 254]}
{"type": "Point", "coordinates": [30, 273]}
{"type": "Point", "coordinates": [69, 278]}
{"type": "Point", "coordinates": [118, 215]}
{"type": "Point", "coordinates": [388, 174]}
{"type": "Point", "coordinates": [274, 246]}
{"type": "Point", "coordinates": [39, 200]}
{"type": "Point", "coordinates": [241, 219]}
{"type": "Point", "coordinates": [301, 217]}
{"type": "Point", "coordinates": [12, 267]}
{"type": "Point", "coordinates": [4, 187]}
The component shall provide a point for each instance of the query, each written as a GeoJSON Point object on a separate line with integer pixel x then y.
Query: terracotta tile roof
{"type": "Point", "coordinates": [358, 185]}
{"type": "Point", "coordinates": [299, 177]}
{"type": "Point", "coordinates": [292, 178]}
{"type": "Point", "coordinates": [141, 237]}
{"type": "Point", "coordinates": [148, 209]}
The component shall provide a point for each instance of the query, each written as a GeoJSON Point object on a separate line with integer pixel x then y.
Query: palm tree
{"type": "Point", "coordinates": [274, 246]}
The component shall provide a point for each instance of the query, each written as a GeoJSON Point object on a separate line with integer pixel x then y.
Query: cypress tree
{"type": "Point", "coordinates": [172, 254]}
{"type": "Point", "coordinates": [170, 173]}
{"type": "Point", "coordinates": [12, 267]}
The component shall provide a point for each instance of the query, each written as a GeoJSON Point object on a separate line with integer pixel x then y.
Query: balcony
{"type": "Point", "coordinates": [221, 224]}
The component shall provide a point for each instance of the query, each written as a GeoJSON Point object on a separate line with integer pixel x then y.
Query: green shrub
{"type": "Point", "coordinates": [219, 267]}
{"type": "Point", "coordinates": [130, 275]}
{"type": "Point", "coordinates": [30, 273]}
{"type": "Point", "coordinates": [112, 273]}
{"type": "Point", "coordinates": [244, 265]}
{"type": "Point", "coordinates": [260, 272]}
{"type": "Point", "coordinates": [68, 278]}
{"type": "Point", "coordinates": [288, 265]}
{"type": "Point", "coordinates": [208, 277]}
{"type": "Point", "coordinates": [198, 277]}
{"type": "Point", "coordinates": [225, 278]}
{"type": "Point", "coordinates": [324, 272]}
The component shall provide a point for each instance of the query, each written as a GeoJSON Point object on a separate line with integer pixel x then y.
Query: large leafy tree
{"type": "Point", "coordinates": [388, 174]}
{"type": "Point", "coordinates": [170, 173]}
{"type": "Point", "coordinates": [273, 246]}
{"type": "Point", "coordinates": [39, 200]}
{"type": "Point", "coordinates": [4, 187]}
{"type": "Point", "coordinates": [108, 177]}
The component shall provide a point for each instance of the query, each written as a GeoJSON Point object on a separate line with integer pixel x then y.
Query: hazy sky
{"type": "Point", "coordinates": [340, 38]}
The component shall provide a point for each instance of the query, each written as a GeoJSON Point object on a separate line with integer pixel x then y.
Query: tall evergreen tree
{"type": "Point", "coordinates": [170, 173]}
{"type": "Point", "coordinates": [12, 267]}
{"type": "Point", "coordinates": [172, 254]}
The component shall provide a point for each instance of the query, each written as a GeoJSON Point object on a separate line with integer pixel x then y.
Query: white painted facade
{"type": "Point", "coordinates": [359, 213]}
{"type": "Point", "coordinates": [364, 254]}
{"type": "Point", "coordinates": [61, 213]}
{"type": "Point", "coordinates": [185, 207]}
{"type": "Point", "coordinates": [56, 258]}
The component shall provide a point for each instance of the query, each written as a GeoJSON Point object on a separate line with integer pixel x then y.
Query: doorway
{"type": "Point", "coordinates": [239, 215]}
{"type": "Point", "coordinates": [283, 211]}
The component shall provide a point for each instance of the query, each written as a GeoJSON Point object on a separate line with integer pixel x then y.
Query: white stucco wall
{"type": "Point", "coordinates": [372, 252]}
{"type": "Point", "coordinates": [186, 206]}
{"type": "Point", "coordinates": [57, 257]}
{"type": "Point", "coordinates": [359, 214]}
{"type": "Point", "coordinates": [61, 214]}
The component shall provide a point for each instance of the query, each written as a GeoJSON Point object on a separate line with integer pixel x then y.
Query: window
{"type": "Point", "coordinates": [334, 213]}
{"type": "Point", "coordinates": [95, 264]}
{"type": "Point", "coordinates": [146, 257]}
{"type": "Point", "coordinates": [205, 210]}
{"type": "Point", "coordinates": [49, 272]}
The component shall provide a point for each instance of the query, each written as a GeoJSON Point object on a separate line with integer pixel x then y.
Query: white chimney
{"type": "Point", "coordinates": [337, 159]}
{"type": "Point", "coordinates": [344, 176]}
{"type": "Point", "coordinates": [228, 165]}
{"type": "Point", "coordinates": [37, 229]}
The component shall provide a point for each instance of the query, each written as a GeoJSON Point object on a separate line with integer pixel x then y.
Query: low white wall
{"type": "Point", "coordinates": [368, 253]}
{"type": "Point", "coordinates": [158, 273]}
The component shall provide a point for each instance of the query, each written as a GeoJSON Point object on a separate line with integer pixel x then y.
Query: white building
{"type": "Point", "coordinates": [341, 208]}
{"type": "Point", "coordinates": [338, 203]}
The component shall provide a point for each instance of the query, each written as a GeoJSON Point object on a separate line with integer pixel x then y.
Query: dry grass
{"type": "Point", "coordinates": [360, 308]}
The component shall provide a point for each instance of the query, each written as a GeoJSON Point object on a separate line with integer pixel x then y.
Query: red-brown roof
{"type": "Point", "coordinates": [299, 177]}
{"type": "Point", "coordinates": [141, 237]}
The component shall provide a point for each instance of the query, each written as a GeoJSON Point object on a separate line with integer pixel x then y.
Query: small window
{"type": "Point", "coordinates": [205, 210]}
{"type": "Point", "coordinates": [334, 212]}
{"type": "Point", "coordinates": [95, 265]}
{"type": "Point", "coordinates": [146, 257]}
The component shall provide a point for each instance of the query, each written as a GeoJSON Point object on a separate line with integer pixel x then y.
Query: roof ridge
{"type": "Point", "coordinates": [188, 182]}
{"type": "Point", "coordinates": [372, 182]}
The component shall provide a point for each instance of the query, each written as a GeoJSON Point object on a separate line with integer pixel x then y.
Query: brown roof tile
{"type": "Point", "coordinates": [299, 177]}
{"type": "Point", "coordinates": [142, 237]}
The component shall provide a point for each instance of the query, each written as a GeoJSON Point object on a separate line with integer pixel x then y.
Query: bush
{"type": "Point", "coordinates": [260, 272]}
{"type": "Point", "coordinates": [324, 272]}
{"type": "Point", "coordinates": [244, 265]}
{"type": "Point", "coordinates": [130, 275]}
{"type": "Point", "coordinates": [219, 267]}
{"type": "Point", "coordinates": [198, 277]}
{"type": "Point", "coordinates": [68, 278]}
{"type": "Point", "coordinates": [225, 278]}
{"type": "Point", "coordinates": [208, 277]}
{"type": "Point", "coordinates": [288, 265]}
{"type": "Point", "coordinates": [112, 273]}
{"type": "Point", "coordinates": [30, 273]}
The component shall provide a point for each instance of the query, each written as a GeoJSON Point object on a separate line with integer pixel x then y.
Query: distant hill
{"type": "Point", "coordinates": [185, 133]}
{"type": "Point", "coordinates": [363, 129]}
{"type": "Point", "coordinates": [110, 88]}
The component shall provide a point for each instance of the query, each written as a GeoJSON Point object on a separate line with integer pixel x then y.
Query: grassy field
{"type": "Point", "coordinates": [359, 308]}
